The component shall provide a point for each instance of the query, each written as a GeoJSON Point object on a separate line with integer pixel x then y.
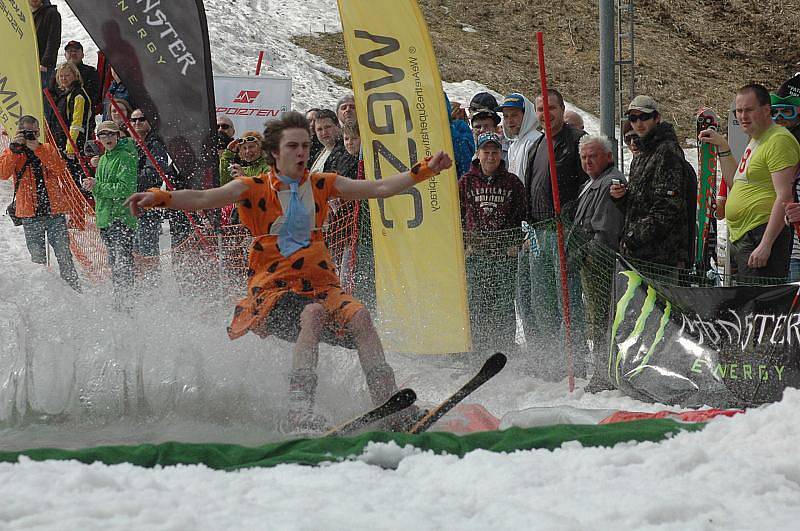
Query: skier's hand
{"type": "Point", "coordinates": [759, 256]}
{"type": "Point", "coordinates": [140, 201]}
{"type": "Point", "coordinates": [440, 162]}
{"type": "Point", "coordinates": [711, 136]}
{"type": "Point", "coordinates": [792, 212]}
{"type": "Point", "coordinates": [88, 183]}
{"type": "Point", "coordinates": [236, 171]}
{"type": "Point", "coordinates": [618, 191]}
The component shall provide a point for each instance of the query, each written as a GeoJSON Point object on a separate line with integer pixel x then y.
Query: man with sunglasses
{"type": "Point", "coordinates": [658, 199]}
{"type": "Point", "coordinates": [149, 228]}
{"type": "Point", "coordinates": [760, 185]}
{"type": "Point", "coordinates": [39, 172]}
{"type": "Point", "coordinates": [225, 132]}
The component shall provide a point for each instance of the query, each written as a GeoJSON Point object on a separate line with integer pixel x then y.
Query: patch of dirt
{"type": "Point", "coordinates": [689, 53]}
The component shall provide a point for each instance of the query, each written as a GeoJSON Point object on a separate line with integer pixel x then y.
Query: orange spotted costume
{"type": "Point", "coordinates": [308, 272]}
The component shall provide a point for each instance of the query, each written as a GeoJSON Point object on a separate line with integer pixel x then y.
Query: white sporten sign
{"type": "Point", "coordinates": [249, 101]}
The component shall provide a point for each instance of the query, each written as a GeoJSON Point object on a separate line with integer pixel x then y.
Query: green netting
{"type": "Point", "coordinates": [315, 451]}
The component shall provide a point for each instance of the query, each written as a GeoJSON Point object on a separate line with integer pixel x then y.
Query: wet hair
{"type": "Point", "coordinates": [761, 92]}
{"type": "Point", "coordinates": [351, 129]}
{"type": "Point", "coordinates": [274, 129]}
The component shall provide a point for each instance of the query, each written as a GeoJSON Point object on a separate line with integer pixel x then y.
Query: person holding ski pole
{"type": "Point", "coordinates": [760, 186]}
{"type": "Point", "coordinates": [293, 291]}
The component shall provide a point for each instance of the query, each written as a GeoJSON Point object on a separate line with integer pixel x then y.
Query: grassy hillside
{"type": "Point", "coordinates": [690, 53]}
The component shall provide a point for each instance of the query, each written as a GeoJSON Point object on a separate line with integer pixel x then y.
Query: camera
{"type": "Point", "coordinates": [616, 182]}
{"type": "Point", "coordinates": [29, 135]}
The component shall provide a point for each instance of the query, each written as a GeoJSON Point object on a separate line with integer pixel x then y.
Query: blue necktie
{"type": "Point", "coordinates": [295, 233]}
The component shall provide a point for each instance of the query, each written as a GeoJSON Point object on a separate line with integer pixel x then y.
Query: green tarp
{"type": "Point", "coordinates": [315, 451]}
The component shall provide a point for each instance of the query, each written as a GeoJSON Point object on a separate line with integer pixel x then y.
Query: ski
{"type": "Point", "coordinates": [397, 402]}
{"type": "Point", "coordinates": [490, 368]}
{"type": "Point", "coordinates": [706, 189]}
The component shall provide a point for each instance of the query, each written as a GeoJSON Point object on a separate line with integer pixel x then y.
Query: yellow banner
{"type": "Point", "coordinates": [20, 84]}
{"type": "Point", "coordinates": [419, 253]}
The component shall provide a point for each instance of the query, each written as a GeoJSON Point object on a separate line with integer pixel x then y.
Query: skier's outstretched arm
{"type": "Point", "coordinates": [389, 186]}
{"type": "Point", "coordinates": [186, 199]}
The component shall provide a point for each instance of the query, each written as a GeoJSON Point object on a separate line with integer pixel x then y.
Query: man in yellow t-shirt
{"type": "Point", "coordinates": [760, 186]}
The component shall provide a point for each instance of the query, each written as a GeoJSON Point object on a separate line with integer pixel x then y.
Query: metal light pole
{"type": "Point", "coordinates": [607, 66]}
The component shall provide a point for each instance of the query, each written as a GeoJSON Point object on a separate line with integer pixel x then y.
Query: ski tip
{"type": "Point", "coordinates": [405, 396]}
{"type": "Point", "coordinates": [496, 361]}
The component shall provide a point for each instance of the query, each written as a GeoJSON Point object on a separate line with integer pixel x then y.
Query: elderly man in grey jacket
{"type": "Point", "coordinates": [599, 222]}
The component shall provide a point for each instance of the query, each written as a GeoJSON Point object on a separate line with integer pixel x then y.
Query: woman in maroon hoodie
{"type": "Point", "coordinates": [493, 206]}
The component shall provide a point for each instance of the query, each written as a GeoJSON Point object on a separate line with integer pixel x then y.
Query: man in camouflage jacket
{"type": "Point", "coordinates": [657, 201]}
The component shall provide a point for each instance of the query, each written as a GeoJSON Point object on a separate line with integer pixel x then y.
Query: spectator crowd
{"type": "Point", "coordinates": [112, 149]}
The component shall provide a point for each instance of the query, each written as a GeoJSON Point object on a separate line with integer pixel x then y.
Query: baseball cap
{"type": "Point", "coordinates": [483, 100]}
{"type": "Point", "coordinates": [73, 44]}
{"type": "Point", "coordinates": [514, 100]}
{"type": "Point", "coordinates": [486, 113]}
{"type": "Point", "coordinates": [108, 125]}
{"type": "Point", "coordinates": [642, 103]}
{"type": "Point", "coordinates": [485, 138]}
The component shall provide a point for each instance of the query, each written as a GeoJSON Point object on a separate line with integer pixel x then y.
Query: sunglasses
{"type": "Point", "coordinates": [787, 112]}
{"type": "Point", "coordinates": [643, 117]}
{"type": "Point", "coordinates": [247, 139]}
{"type": "Point", "coordinates": [135, 120]}
{"type": "Point", "coordinates": [106, 134]}
{"type": "Point", "coordinates": [223, 126]}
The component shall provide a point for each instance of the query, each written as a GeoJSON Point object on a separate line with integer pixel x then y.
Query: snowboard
{"type": "Point", "coordinates": [706, 190]}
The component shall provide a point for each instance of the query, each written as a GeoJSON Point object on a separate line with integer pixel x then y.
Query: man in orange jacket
{"type": "Point", "coordinates": [40, 201]}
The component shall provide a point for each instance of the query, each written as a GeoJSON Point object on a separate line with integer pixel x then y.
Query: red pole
{"type": "Point", "coordinates": [562, 253]}
{"type": "Point", "coordinates": [260, 60]}
{"type": "Point", "coordinates": [64, 127]}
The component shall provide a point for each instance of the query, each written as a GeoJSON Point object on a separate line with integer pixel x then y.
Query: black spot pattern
{"type": "Point", "coordinates": [323, 264]}
{"type": "Point", "coordinates": [258, 247]}
{"type": "Point", "coordinates": [272, 268]}
{"type": "Point", "coordinates": [320, 184]}
{"type": "Point", "coordinates": [307, 285]}
{"type": "Point", "coordinates": [298, 264]}
{"type": "Point", "coordinates": [251, 273]}
{"type": "Point", "coordinates": [280, 283]}
{"type": "Point", "coordinates": [345, 303]}
{"type": "Point", "coordinates": [237, 310]}
{"type": "Point", "coordinates": [256, 290]}
{"type": "Point", "coordinates": [269, 228]}
{"type": "Point", "coordinates": [258, 180]}
{"type": "Point", "coordinates": [322, 296]}
{"type": "Point", "coordinates": [316, 207]}
{"type": "Point", "coordinates": [262, 204]}
{"type": "Point", "coordinates": [246, 203]}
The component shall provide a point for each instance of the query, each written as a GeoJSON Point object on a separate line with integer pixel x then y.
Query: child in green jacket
{"type": "Point", "coordinates": [115, 180]}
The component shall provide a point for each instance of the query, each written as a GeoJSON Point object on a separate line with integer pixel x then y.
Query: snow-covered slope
{"type": "Point", "coordinates": [81, 375]}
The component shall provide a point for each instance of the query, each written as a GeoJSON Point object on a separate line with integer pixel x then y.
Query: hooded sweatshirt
{"type": "Point", "coordinates": [522, 143]}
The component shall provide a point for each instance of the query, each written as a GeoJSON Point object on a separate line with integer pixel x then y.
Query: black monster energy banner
{"type": "Point", "coordinates": [723, 347]}
{"type": "Point", "coordinates": [161, 53]}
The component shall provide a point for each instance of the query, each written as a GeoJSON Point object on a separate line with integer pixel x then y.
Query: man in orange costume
{"type": "Point", "coordinates": [293, 290]}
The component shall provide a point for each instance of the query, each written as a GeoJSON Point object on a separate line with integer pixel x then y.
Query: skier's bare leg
{"type": "Point", "coordinates": [379, 375]}
{"type": "Point", "coordinates": [303, 378]}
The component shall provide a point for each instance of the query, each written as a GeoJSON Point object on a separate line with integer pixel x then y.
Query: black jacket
{"type": "Point", "coordinates": [90, 82]}
{"type": "Point", "coordinates": [149, 177]}
{"type": "Point", "coordinates": [65, 103]}
{"type": "Point", "coordinates": [341, 162]}
{"type": "Point", "coordinates": [659, 212]}
{"type": "Point", "coordinates": [48, 33]}
{"type": "Point", "coordinates": [571, 176]}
